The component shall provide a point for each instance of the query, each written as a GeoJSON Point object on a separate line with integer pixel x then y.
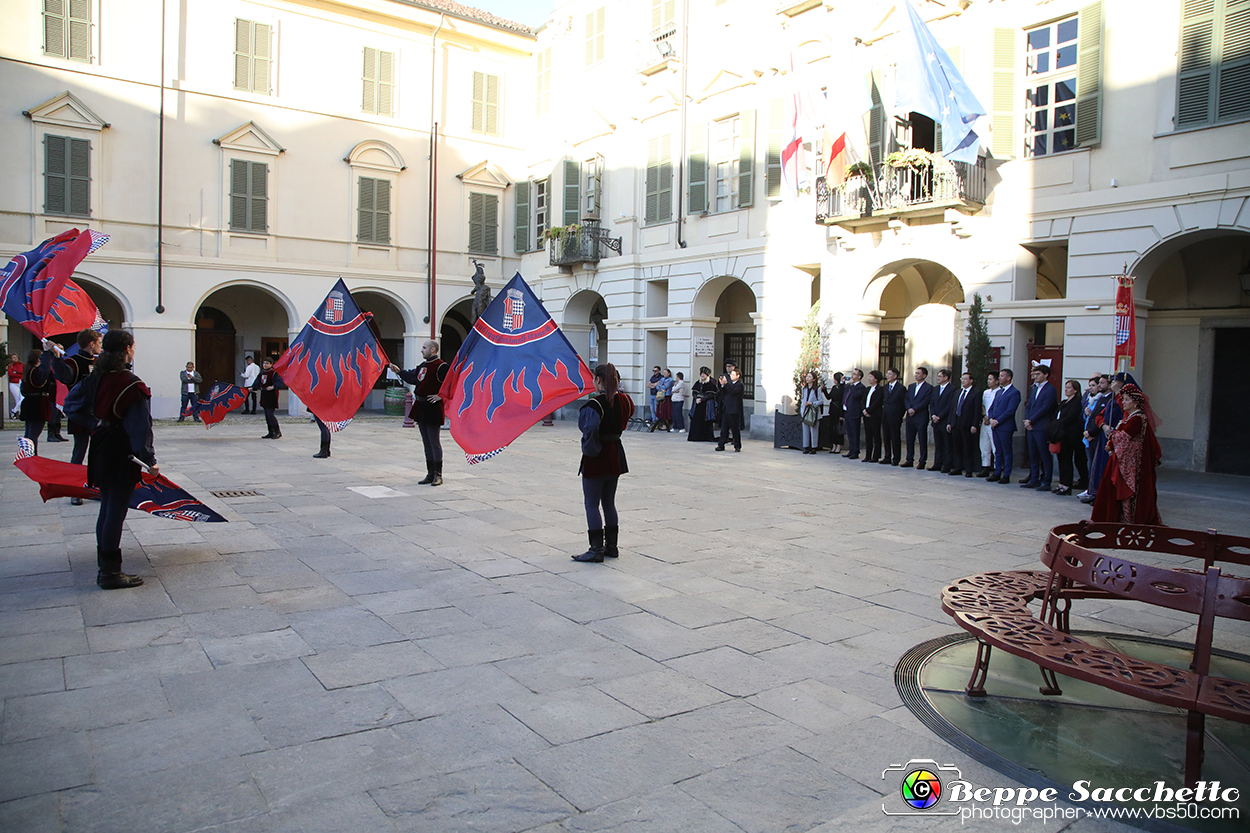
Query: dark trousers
{"type": "Point", "coordinates": [81, 439]}
{"type": "Point", "coordinates": [730, 428]}
{"type": "Point", "coordinates": [967, 451]}
{"type": "Point", "coordinates": [679, 416]}
{"type": "Point", "coordinates": [600, 491]}
{"type": "Point", "coordinates": [1003, 437]}
{"type": "Point", "coordinates": [891, 442]}
{"type": "Point", "coordinates": [114, 501]}
{"type": "Point", "coordinates": [54, 422]}
{"type": "Point", "coordinates": [1041, 461]}
{"type": "Point", "coordinates": [941, 448]}
{"type": "Point", "coordinates": [917, 428]}
{"type": "Point", "coordinates": [872, 438]}
{"type": "Point", "coordinates": [34, 430]}
{"type": "Point", "coordinates": [430, 439]}
{"type": "Point", "coordinates": [190, 405]}
{"type": "Point", "coordinates": [1070, 451]}
{"type": "Point", "coordinates": [271, 421]}
{"type": "Point", "coordinates": [325, 432]}
{"type": "Point", "coordinates": [852, 434]}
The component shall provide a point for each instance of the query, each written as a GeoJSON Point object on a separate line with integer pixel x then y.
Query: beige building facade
{"type": "Point", "coordinates": [626, 159]}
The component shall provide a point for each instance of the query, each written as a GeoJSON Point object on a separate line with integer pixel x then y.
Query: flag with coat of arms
{"type": "Point", "coordinates": [1125, 321]}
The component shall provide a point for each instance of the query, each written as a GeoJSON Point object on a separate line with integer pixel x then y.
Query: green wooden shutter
{"type": "Point", "coordinates": [386, 84]}
{"type": "Point", "coordinates": [478, 124]}
{"type": "Point", "coordinates": [593, 195]}
{"type": "Point", "coordinates": [79, 177]}
{"type": "Point", "coordinates": [521, 240]}
{"type": "Point", "coordinates": [80, 30]}
{"type": "Point", "coordinates": [776, 137]}
{"type": "Point", "coordinates": [746, 159]}
{"type": "Point", "coordinates": [1196, 92]}
{"type": "Point", "coordinates": [242, 54]}
{"type": "Point", "coordinates": [664, 203]}
{"type": "Point", "coordinates": [54, 28]}
{"type": "Point", "coordinates": [382, 214]}
{"type": "Point", "coordinates": [875, 128]}
{"type": "Point", "coordinates": [490, 224]}
{"type": "Point", "coordinates": [238, 195]}
{"type": "Point", "coordinates": [1234, 86]}
{"type": "Point", "coordinates": [1089, 75]}
{"type": "Point", "coordinates": [55, 174]}
{"type": "Point", "coordinates": [572, 191]}
{"type": "Point", "coordinates": [696, 195]}
{"type": "Point", "coordinates": [651, 202]}
{"type": "Point", "coordinates": [1003, 109]}
{"type": "Point", "coordinates": [477, 232]}
{"type": "Point", "coordinates": [492, 105]}
{"type": "Point", "coordinates": [365, 213]}
{"type": "Point", "coordinates": [369, 87]}
{"type": "Point", "coordinates": [258, 189]}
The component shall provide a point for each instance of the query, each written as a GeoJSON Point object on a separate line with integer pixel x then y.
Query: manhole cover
{"type": "Point", "coordinates": [237, 493]}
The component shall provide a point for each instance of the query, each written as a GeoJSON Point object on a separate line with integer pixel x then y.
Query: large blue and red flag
{"type": "Point", "coordinates": [155, 494]}
{"type": "Point", "coordinates": [222, 399]}
{"type": "Point", "coordinates": [514, 368]}
{"type": "Point", "coordinates": [335, 360]}
{"type": "Point", "coordinates": [36, 291]}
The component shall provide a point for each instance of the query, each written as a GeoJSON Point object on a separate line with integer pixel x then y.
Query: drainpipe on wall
{"type": "Point", "coordinates": [160, 184]}
{"type": "Point", "coordinates": [681, 159]}
{"type": "Point", "coordinates": [432, 273]}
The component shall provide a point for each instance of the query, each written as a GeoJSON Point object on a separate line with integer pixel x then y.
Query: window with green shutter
{"type": "Point", "coordinates": [483, 224]}
{"type": "Point", "coordinates": [485, 104]}
{"type": "Point", "coordinates": [521, 236]}
{"type": "Point", "coordinates": [1214, 70]}
{"type": "Point", "coordinates": [776, 138]}
{"type": "Point", "coordinates": [253, 50]}
{"type": "Point", "coordinates": [378, 86]}
{"type": "Point", "coordinates": [249, 196]}
{"type": "Point", "coordinates": [544, 83]}
{"type": "Point", "coordinates": [746, 159]}
{"type": "Point", "coordinates": [659, 188]}
{"type": "Point", "coordinates": [373, 217]}
{"type": "Point", "coordinates": [67, 29]}
{"type": "Point", "coordinates": [67, 176]}
{"type": "Point", "coordinates": [572, 192]}
{"type": "Point", "coordinates": [595, 36]}
{"type": "Point", "coordinates": [696, 193]}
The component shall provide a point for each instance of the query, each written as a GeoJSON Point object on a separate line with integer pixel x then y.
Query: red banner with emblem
{"type": "Point", "coordinates": [1125, 321]}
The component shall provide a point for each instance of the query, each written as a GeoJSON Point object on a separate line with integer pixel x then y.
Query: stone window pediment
{"type": "Point", "coordinates": [66, 110]}
{"type": "Point", "coordinates": [486, 175]}
{"type": "Point", "coordinates": [249, 138]}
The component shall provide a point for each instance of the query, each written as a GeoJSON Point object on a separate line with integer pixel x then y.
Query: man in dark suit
{"type": "Point", "coordinates": [730, 399]}
{"type": "Point", "coordinates": [892, 410]}
{"type": "Point", "coordinates": [1038, 412]}
{"type": "Point", "coordinates": [940, 413]}
{"type": "Point", "coordinates": [965, 429]}
{"type": "Point", "coordinates": [1002, 416]}
{"type": "Point", "coordinates": [853, 408]}
{"type": "Point", "coordinates": [916, 401]}
{"type": "Point", "coordinates": [872, 418]}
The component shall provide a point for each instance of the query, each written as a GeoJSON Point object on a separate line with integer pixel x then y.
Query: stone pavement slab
{"type": "Point", "coordinates": [357, 652]}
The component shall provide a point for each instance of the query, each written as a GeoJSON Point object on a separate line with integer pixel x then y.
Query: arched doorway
{"type": "Point", "coordinates": [110, 306]}
{"type": "Point", "coordinates": [390, 325]}
{"type": "Point", "coordinates": [584, 317]}
{"type": "Point", "coordinates": [730, 303]}
{"type": "Point", "coordinates": [1194, 348]}
{"type": "Point", "coordinates": [919, 323]}
{"type": "Point", "coordinates": [234, 322]}
{"type": "Point", "coordinates": [454, 329]}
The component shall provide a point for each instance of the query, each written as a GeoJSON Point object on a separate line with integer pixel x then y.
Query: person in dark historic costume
{"type": "Point", "coordinates": [703, 408]}
{"type": "Point", "coordinates": [427, 407]}
{"type": "Point", "coordinates": [38, 395]}
{"type": "Point", "coordinates": [69, 371]}
{"type": "Point", "coordinates": [1111, 416]}
{"type": "Point", "coordinates": [270, 383]}
{"type": "Point", "coordinates": [601, 420]}
{"type": "Point", "coordinates": [1128, 493]}
{"type": "Point", "coordinates": [123, 430]}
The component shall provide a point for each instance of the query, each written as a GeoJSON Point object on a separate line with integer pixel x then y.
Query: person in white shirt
{"type": "Point", "coordinates": [987, 436]}
{"type": "Point", "coordinates": [249, 374]}
{"type": "Point", "coordinates": [679, 403]}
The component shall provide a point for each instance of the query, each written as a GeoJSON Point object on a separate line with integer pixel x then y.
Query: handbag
{"type": "Point", "coordinates": [810, 415]}
{"type": "Point", "coordinates": [1055, 447]}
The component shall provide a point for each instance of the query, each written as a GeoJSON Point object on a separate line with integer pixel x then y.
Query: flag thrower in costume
{"type": "Point", "coordinates": [1125, 323]}
{"type": "Point", "coordinates": [927, 82]}
{"type": "Point", "coordinates": [35, 289]}
{"type": "Point", "coordinates": [154, 494]}
{"type": "Point", "coordinates": [514, 368]}
{"type": "Point", "coordinates": [335, 360]}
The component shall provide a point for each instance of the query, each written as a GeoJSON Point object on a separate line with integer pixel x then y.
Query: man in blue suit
{"type": "Point", "coordinates": [853, 411]}
{"type": "Point", "coordinates": [1038, 412]}
{"type": "Point", "coordinates": [1002, 414]}
{"type": "Point", "coordinates": [892, 411]}
{"type": "Point", "coordinates": [916, 401]}
{"type": "Point", "coordinates": [941, 409]}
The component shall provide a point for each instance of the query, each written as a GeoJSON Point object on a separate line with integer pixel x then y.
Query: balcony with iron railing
{"type": "Point", "coordinates": [658, 52]}
{"type": "Point", "coordinates": [585, 244]}
{"type": "Point", "coordinates": [906, 186]}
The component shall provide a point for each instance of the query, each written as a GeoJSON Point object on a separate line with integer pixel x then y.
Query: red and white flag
{"type": "Point", "coordinates": [846, 102]}
{"type": "Point", "coordinates": [1125, 321]}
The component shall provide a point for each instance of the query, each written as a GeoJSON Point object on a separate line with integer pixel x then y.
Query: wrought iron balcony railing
{"type": "Point", "coordinates": [587, 243]}
{"type": "Point", "coordinates": [901, 192]}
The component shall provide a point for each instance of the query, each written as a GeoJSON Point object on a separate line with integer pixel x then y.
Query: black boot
{"type": "Point", "coordinates": [429, 474]}
{"type": "Point", "coordinates": [323, 453]}
{"type": "Point", "coordinates": [277, 435]}
{"type": "Point", "coordinates": [596, 551]}
{"type": "Point", "coordinates": [110, 575]}
{"type": "Point", "coordinates": [438, 474]}
{"type": "Point", "coordinates": [609, 541]}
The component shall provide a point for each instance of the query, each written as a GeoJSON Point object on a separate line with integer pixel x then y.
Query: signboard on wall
{"type": "Point", "coordinates": [704, 345]}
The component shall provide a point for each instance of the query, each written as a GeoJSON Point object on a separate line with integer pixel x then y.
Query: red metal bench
{"type": "Point", "coordinates": [1083, 564]}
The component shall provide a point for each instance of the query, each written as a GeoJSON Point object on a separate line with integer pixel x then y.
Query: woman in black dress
{"type": "Point", "coordinates": [703, 408]}
{"type": "Point", "coordinates": [835, 393]}
{"type": "Point", "coordinates": [602, 420]}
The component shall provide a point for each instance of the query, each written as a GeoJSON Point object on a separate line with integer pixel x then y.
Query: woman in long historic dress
{"type": "Point", "coordinates": [1128, 493]}
{"type": "Point", "coordinates": [703, 408]}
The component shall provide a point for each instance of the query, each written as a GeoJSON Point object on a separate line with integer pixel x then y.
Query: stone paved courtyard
{"type": "Point", "coordinates": [355, 652]}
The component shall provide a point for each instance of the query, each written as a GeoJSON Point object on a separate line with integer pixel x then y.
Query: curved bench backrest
{"type": "Point", "coordinates": [1210, 546]}
{"type": "Point", "coordinates": [1126, 579]}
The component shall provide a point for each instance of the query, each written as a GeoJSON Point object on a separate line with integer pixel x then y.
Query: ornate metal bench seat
{"type": "Point", "coordinates": [994, 608]}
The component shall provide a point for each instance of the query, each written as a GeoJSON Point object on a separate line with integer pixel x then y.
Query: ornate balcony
{"type": "Point", "coordinates": [584, 244]}
{"type": "Point", "coordinates": [659, 51]}
{"type": "Point", "coordinates": [902, 192]}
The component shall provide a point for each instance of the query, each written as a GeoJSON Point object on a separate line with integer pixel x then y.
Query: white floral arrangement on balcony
{"type": "Point", "coordinates": [910, 158]}
{"type": "Point", "coordinates": [561, 232]}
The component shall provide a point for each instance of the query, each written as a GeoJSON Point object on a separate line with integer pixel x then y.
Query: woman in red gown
{"type": "Point", "coordinates": [1129, 494]}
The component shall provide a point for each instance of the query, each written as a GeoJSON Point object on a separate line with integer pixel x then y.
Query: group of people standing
{"type": "Point", "coordinates": [713, 403]}
{"type": "Point", "coordinates": [973, 431]}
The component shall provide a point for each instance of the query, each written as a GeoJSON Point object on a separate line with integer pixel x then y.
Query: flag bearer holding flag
{"type": "Point", "coordinates": [602, 420]}
{"type": "Point", "coordinates": [427, 407]}
{"type": "Point", "coordinates": [70, 371]}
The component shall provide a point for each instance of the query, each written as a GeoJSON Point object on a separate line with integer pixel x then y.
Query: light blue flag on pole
{"type": "Point", "coordinates": [928, 83]}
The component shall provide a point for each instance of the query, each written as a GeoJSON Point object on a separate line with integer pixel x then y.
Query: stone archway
{"type": "Point", "coordinates": [1197, 288]}
{"type": "Point", "coordinates": [454, 329]}
{"type": "Point", "coordinates": [584, 317]}
{"type": "Point", "coordinates": [918, 321]}
{"type": "Point", "coordinates": [235, 321]}
{"type": "Point", "coordinates": [725, 310]}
